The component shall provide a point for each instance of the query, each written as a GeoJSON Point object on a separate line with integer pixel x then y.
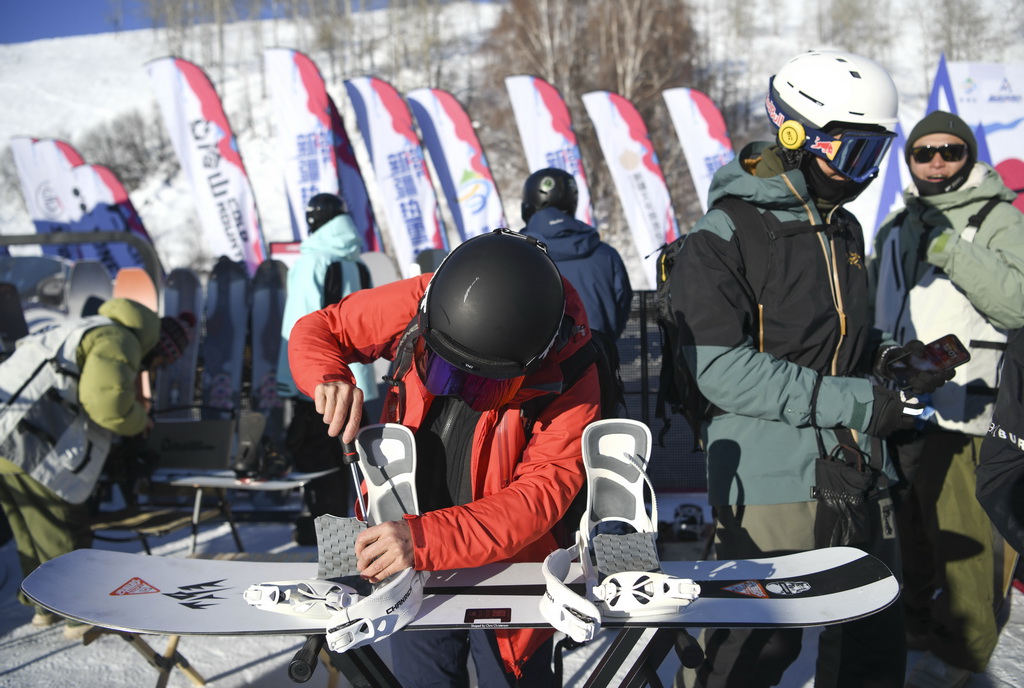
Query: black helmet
{"type": "Point", "coordinates": [494, 306]}
{"type": "Point", "coordinates": [549, 187]}
{"type": "Point", "coordinates": [323, 208]}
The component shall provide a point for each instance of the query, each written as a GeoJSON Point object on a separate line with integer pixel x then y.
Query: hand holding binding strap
{"type": "Point", "coordinates": [356, 612]}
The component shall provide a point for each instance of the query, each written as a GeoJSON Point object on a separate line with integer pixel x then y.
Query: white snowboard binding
{"type": "Point", "coordinates": [615, 542]}
{"type": "Point", "coordinates": [356, 612]}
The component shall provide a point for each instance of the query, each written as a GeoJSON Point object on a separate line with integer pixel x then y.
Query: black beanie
{"type": "Point", "coordinates": [941, 122]}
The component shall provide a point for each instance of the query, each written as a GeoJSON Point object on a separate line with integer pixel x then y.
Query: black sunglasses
{"type": "Point", "coordinates": [950, 152]}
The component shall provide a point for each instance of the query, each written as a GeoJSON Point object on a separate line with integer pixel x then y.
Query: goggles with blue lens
{"type": "Point", "coordinates": [853, 153]}
{"type": "Point", "coordinates": [480, 393]}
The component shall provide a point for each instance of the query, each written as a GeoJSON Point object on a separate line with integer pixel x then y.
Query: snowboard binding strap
{"type": "Point", "coordinates": [358, 612]}
{"type": "Point", "coordinates": [615, 542]}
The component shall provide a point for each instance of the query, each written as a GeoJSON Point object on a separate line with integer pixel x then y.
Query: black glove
{"type": "Point", "coordinates": [921, 381]}
{"type": "Point", "coordinates": [892, 411]}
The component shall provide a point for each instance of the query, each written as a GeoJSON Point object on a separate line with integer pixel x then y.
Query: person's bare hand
{"type": "Point", "coordinates": [342, 407]}
{"type": "Point", "coordinates": [384, 550]}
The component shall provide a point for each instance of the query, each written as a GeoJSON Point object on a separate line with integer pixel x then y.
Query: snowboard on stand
{"type": "Point", "coordinates": [269, 287]}
{"type": "Point", "coordinates": [178, 596]}
{"type": "Point", "coordinates": [89, 284]}
{"type": "Point", "coordinates": [176, 383]}
{"type": "Point", "coordinates": [226, 325]}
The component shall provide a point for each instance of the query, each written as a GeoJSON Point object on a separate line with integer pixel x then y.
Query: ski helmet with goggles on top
{"type": "Point", "coordinates": [837, 106]}
{"type": "Point", "coordinates": [550, 187]}
{"type": "Point", "coordinates": [491, 312]}
{"type": "Point", "coordinates": [323, 208]}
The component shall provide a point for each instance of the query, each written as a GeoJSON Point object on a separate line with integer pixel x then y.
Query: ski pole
{"type": "Point", "coordinates": [351, 457]}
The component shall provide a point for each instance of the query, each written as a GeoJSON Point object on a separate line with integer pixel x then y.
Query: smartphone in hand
{"type": "Point", "coordinates": [943, 354]}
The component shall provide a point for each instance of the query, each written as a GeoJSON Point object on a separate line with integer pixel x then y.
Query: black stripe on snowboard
{"type": "Point", "coordinates": [853, 574]}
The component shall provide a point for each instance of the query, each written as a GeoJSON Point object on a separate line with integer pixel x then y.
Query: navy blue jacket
{"type": "Point", "coordinates": [593, 267]}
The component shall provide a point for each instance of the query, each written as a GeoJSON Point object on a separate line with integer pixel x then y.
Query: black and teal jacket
{"type": "Point", "coordinates": [786, 362]}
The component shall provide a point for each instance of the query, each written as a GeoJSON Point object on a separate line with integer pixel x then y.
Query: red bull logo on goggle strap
{"type": "Point", "coordinates": [826, 149]}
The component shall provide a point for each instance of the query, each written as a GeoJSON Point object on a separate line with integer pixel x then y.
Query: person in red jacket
{"type": "Point", "coordinates": [495, 379]}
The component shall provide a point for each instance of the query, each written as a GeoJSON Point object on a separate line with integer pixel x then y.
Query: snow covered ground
{"type": "Point", "coordinates": [32, 657]}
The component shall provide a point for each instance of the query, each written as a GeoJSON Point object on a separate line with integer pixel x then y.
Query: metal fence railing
{"type": "Point", "coordinates": [674, 465]}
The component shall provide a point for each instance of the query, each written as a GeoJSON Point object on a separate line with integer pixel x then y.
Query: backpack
{"type": "Point", "coordinates": [677, 389]}
{"type": "Point", "coordinates": [43, 428]}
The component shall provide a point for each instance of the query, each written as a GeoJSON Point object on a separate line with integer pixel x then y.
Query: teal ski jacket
{"type": "Point", "coordinates": [785, 366]}
{"type": "Point", "coordinates": [336, 241]}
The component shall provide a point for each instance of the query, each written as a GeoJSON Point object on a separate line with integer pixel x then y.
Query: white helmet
{"type": "Point", "coordinates": [822, 91]}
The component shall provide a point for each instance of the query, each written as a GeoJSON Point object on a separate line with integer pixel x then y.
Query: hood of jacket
{"type": "Point", "coordinates": [756, 175]}
{"type": "Point", "coordinates": [337, 238]}
{"type": "Point", "coordinates": [565, 236]}
{"type": "Point", "coordinates": [982, 184]}
{"type": "Point", "coordinates": [143, 323]}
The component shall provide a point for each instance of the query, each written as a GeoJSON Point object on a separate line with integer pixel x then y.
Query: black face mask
{"type": "Point", "coordinates": [927, 188]}
{"type": "Point", "coordinates": [827, 192]}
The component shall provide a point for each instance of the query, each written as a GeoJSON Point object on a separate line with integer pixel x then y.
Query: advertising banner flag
{"type": "Point", "coordinates": [637, 174]}
{"type": "Point", "coordinates": [210, 157]}
{"type": "Point", "coordinates": [989, 96]}
{"type": "Point", "coordinates": [103, 205]}
{"type": "Point", "coordinates": [44, 170]}
{"type": "Point", "coordinates": [316, 154]}
{"type": "Point", "coordinates": [459, 161]}
{"type": "Point", "coordinates": [703, 135]}
{"type": "Point", "coordinates": [353, 185]}
{"type": "Point", "coordinates": [410, 204]}
{"type": "Point", "coordinates": [545, 127]}
{"type": "Point", "coordinates": [304, 135]}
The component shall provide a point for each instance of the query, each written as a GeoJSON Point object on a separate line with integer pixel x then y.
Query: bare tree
{"type": "Point", "coordinates": [635, 48]}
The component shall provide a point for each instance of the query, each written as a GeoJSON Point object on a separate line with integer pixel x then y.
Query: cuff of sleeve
{"type": "Point", "coordinates": [845, 402]}
{"type": "Point", "coordinates": [419, 541]}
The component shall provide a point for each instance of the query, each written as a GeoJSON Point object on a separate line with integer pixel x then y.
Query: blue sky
{"type": "Point", "coordinates": [29, 20]}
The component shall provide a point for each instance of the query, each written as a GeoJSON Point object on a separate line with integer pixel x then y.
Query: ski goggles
{"type": "Point", "coordinates": [950, 152]}
{"type": "Point", "coordinates": [853, 153]}
{"type": "Point", "coordinates": [480, 393]}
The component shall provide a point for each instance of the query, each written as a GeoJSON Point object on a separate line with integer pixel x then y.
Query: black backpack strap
{"type": "Point", "coordinates": [978, 218]}
{"type": "Point", "coordinates": [755, 232]}
{"type": "Point", "coordinates": [404, 357]}
{"type": "Point", "coordinates": [365, 279]}
{"type": "Point", "coordinates": [332, 284]}
{"type": "Point", "coordinates": [572, 370]}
